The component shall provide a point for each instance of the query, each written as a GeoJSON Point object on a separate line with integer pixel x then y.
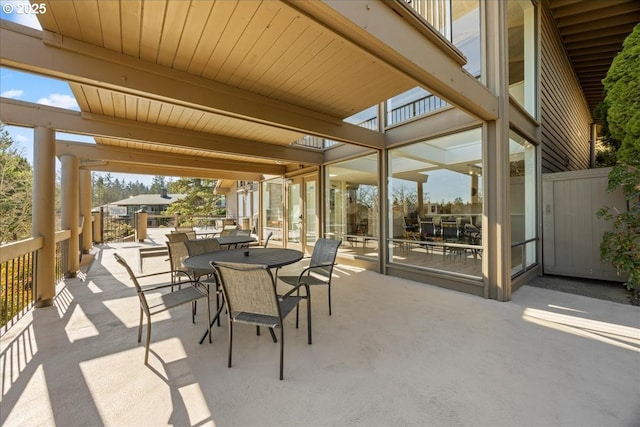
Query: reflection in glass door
{"type": "Point", "coordinates": [311, 214]}
{"type": "Point", "coordinates": [294, 215]}
{"type": "Point", "coordinates": [302, 214]}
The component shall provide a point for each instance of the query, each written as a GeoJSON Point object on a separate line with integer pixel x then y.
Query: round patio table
{"type": "Point", "coordinates": [271, 257]}
{"type": "Point", "coordinates": [235, 240]}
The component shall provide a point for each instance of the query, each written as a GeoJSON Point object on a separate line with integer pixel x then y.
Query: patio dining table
{"type": "Point", "coordinates": [235, 240]}
{"type": "Point", "coordinates": [271, 257]}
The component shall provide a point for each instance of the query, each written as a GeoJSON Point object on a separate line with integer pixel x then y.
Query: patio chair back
{"type": "Point", "coordinates": [320, 269]}
{"type": "Point", "coordinates": [177, 237]}
{"type": "Point", "coordinates": [427, 230]}
{"type": "Point", "coordinates": [323, 257]}
{"type": "Point", "coordinates": [449, 231]}
{"type": "Point", "coordinates": [201, 246]}
{"type": "Point", "coordinates": [249, 288]}
{"type": "Point", "coordinates": [228, 232]}
{"type": "Point", "coordinates": [269, 236]}
{"type": "Point", "coordinates": [250, 294]}
{"type": "Point", "coordinates": [177, 253]}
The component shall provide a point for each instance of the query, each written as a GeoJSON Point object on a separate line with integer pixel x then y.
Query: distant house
{"type": "Point", "coordinates": [153, 204]}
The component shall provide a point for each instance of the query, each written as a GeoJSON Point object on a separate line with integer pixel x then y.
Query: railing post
{"type": "Point", "coordinates": [97, 226]}
{"type": "Point", "coordinates": [141, 226]}
{"type": "Point", "coordinates": [85, 209]}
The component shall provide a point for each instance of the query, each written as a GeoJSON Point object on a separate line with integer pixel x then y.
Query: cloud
{"type": "Point", "coordinates": [21, 138]}
{"type": "Point", "coordinates": [58, 100]}
{"type": "Point", "coordinates": [12, 93]}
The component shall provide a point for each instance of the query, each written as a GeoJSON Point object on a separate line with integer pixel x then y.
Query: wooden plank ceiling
{"type": "Point", "coordinates": [592, 32]}
{"type": "Point", "coordinates": [263, 47]}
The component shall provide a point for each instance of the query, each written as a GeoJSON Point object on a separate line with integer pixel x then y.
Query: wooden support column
{"type": "Point", "coordinates": [85, 209]}
{"type": "Point", "coordinates": [496, 220]}
{"type": "Point", "coordinates": [71, 211]}
{"type": "Point", "coordinates": [44, 213]}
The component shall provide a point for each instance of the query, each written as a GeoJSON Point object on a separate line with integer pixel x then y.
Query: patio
{"type": "Point", "coordinates": [395, 352]}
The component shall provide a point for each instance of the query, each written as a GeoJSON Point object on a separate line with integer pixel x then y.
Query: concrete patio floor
{"type": "Point", "coordinates": [394, 353]}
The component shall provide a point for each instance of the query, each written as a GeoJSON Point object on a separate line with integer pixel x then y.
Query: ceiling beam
{"type": "Point", "coordinates": [402, 40]}
{"type": "Point", "coordinates": [27, 114]}
{"type": "Point", "coordinates": [51, 55]}
{"type": "Point", "coordinates": [172, 171]}
{"type": "Point", "coordinates": [129, 156]}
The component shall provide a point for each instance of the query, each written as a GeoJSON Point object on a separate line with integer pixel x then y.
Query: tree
{"type": "Point", "coordinates": [158, 184]}
{"type": "Point", "coordinates": [621, 247]}
{"type": "Point", "coordinates": [199, 200]}
{"type": "Point", "coordinates": [606, 153]}
{"type": "Point", "coordinates": [15, 191]}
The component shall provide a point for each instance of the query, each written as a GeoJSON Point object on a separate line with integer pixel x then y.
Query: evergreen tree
{"type": "Point", "coordinates": [621, 247]}
{"type": "Point", "coordinates": [158, 184]}
{"type": "Point", "coordinates": [199, 200]}
{"type": "Point", "coordinates": [15, 191]}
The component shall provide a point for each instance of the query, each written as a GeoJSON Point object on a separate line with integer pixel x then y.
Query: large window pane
{"type": "Point", "coordinates": [522, 66]}
{"type": "Point", "coordinates": [466, 33]}
{"type": "Point", "coordinates": [463, 17]}
{"type": "Point", "coordinates": [522, 161]}
{"type": "Point", "coordinates": [435, 204]}
{"type": "Point", "coordinates": [352, 205]}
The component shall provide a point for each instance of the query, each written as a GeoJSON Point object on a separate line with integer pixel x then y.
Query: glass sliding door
{"type": "Point", "coordinates": [272, 210]}
{"type": "Point", "coordinates": [294, 214]}
{"type": "Point", "coordinates": [310, 220]}
{"type": "Point", "coordinates": [302, 212]}
{"type": "Point", "coordinates": [352, 206]}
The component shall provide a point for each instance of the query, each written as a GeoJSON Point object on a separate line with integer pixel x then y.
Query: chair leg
{"type": "Point", "coordinates": [273, 335]}
{"type": "Point", "coordinates": [308, 316]}
{"type": "Point", "coordinates": [298, 306]}
{"type": "Point", "coordinates": [218, 301]}
{"type": "Point", "coordinates": [281, 351]}
{"type": "Point", "coordinates": [209, 317]}
{"type": "Point", "coordinates": [329, 294]}
{"type": "Point", "coordinates": [146, 353]}
{"type": "Point", "coordinates": [230, 339]}
{"type": "Point", "coordinates": [140, 327]}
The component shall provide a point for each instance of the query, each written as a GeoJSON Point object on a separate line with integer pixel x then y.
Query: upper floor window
{"type": "Point", "coordinates": [522, 69]}
{"type": "Point", "coordinates": [466, 33]}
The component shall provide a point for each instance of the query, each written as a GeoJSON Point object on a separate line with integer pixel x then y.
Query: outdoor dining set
{"type": "Point", "coordinates": [243, 277]}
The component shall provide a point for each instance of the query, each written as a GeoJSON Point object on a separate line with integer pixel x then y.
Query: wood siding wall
{"type": "Point", "coordinates": [564, 115]}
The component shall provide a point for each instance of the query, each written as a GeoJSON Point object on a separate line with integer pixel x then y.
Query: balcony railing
{"type": "Point", "coordinates": [18, 275]}
{"type": "Point", "coordinates": [414, 109]}
{"type": "Point", "coordinates": [322, 143]}
{"type": "Point", "coordinates": [435, 12]}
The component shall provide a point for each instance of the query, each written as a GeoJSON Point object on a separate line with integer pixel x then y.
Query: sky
{"type": "Point", "coordinates": [40, 90]}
